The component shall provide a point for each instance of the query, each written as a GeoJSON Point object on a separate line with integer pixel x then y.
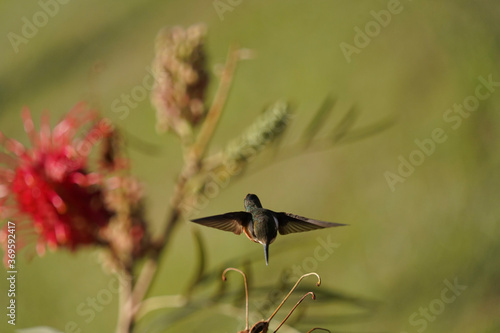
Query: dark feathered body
{"type": "Point", "coordinates": [262, 225]}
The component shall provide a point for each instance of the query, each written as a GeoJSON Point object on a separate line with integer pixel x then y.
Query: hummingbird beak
{"type": "Point", "coordinates": [266, 252]}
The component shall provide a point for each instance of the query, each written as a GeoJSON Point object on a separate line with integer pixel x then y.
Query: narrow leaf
{"type": "Point", "coordinates": [201, 263]}
{"type": "Point", "coordinates": [319, 120]}
{"type": "Point", "coordinates": [369, 130]}
{"type": "Point", "coordinates": [345, 124]}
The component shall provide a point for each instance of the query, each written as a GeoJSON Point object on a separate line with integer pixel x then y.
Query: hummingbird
{"type": "Point", "coordinates": [262, 225]}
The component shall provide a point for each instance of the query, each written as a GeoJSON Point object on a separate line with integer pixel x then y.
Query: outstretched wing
{"type": "Point", "coordinates": [290, 223]}
{"type": "Point", "coordinates": [234, 221]}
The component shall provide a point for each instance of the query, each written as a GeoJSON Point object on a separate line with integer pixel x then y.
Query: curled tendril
{"type": "Point", "coordinates": [291, 291]}
{"type": "Point", "coordinates": [297, 304]}
{"type": "Point", "coordinates": [263, 325]}
{"type": "Point", "coordinates": [246, 290]}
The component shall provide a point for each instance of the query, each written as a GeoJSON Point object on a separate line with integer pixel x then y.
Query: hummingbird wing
{"type": "Point", "coordinates": [234, 221]}
{"type": "Point", "coordinates": [290, 223]}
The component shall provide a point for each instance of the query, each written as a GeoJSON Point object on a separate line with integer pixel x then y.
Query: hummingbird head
{"type": "Point", "coordinates": [252, 202]}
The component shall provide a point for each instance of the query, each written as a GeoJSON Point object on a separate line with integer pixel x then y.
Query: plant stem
{"type": "Point", "coordinates": [192, 164]}
{"type": "Point", "coordinates": [212, 119]}
{"type": "Point", "coordinates": [192, 167]}
{"type": "Point", "coordinates": [126, 314]}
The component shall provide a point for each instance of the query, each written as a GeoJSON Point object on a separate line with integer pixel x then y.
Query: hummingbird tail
{"type": "Point", "coordinates": [266, 253]}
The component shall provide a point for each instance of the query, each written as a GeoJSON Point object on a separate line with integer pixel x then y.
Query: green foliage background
{"type": "Point", "coordinates": [441, 223]}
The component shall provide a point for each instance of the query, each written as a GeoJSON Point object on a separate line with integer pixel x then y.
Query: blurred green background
{"type": "Point", "coordinates": [441, 223]}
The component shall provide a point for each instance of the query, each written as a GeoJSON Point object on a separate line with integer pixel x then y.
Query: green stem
{"type": "Point", "coordinates": [126, 313]}
{"type": "Point", "coordinates": [191, 167]}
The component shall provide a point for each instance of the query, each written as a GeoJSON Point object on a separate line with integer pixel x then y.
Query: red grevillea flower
{"type": "Point", "coordinates": [49, 186]}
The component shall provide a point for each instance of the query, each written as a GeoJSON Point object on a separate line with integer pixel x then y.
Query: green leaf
{"type": "Point", "coordinates": [369, 130]}
{"type": "Point", "coordinates": [319, 119]}
{"type": "Point", "coordinates": [343, 128]}
{"type": "Point", "coordinates": [202, 261]}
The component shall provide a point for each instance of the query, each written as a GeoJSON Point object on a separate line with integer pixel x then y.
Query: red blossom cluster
{"type": "Point", "coordinates": [48, 189]}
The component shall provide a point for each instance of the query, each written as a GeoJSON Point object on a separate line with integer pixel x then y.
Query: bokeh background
{"type": "Point", "coordinates": [440, 224]}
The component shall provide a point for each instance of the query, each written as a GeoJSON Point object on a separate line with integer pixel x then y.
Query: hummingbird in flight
{"type": "Point", "coordinates": [262, 225]}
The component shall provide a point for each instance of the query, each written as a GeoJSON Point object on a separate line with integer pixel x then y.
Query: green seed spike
{"type": "Point", "coordinates": [267, 128]}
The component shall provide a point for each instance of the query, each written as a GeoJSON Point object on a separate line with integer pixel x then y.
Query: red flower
{"type": "Point", "coordinates": [49, 184]}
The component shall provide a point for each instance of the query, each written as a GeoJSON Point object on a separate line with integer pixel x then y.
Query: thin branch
{"type": "Point", "coordinates": [195, 155]}
{"type": "Point", "coordinates": [143, 283]}
{"type": "Point", "coordinates": [126, 314]}
{"type": "Point", "coordinates": [190, 169]}
{"type": "Point", "coordinates": [318, 145]}
{"type": "Point", "coordinates": [212, 119]}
